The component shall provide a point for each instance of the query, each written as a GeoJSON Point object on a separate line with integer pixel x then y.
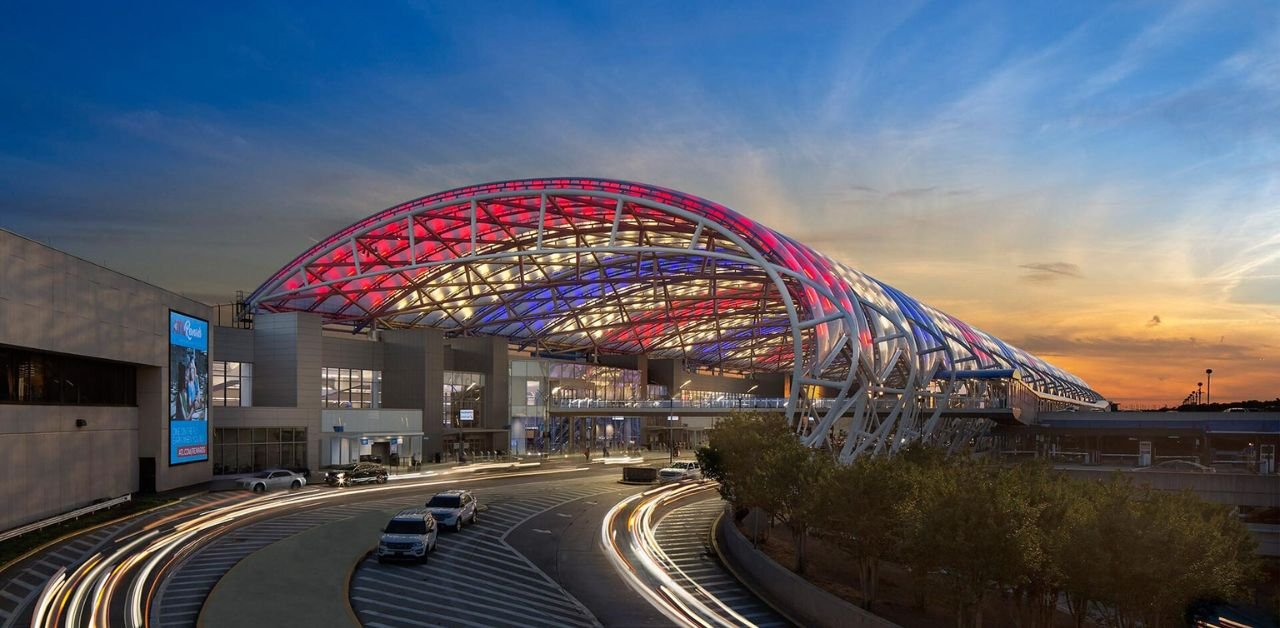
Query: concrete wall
{"type": "Point", "coordinates": [287, 358]}
{"type": "Point", "coordinates": [52, 301]}
{"type": "Point", "coordinates": [415, 379]}
{"type": "Point", "coordinates": [354, 352]}
{"type": "Point", "coordinates": [793, 596]}
{"type": "Point", "coordinates": [51, 466]}
{"type": "Point", "coordinates": [232, 344]}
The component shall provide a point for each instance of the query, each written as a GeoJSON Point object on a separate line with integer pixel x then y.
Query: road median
{"type": "Point", "coordinates": [298, 581]}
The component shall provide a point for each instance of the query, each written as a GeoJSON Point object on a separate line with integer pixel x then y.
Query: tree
{"type": "Point", "coordinates": [973, 526]}
{"type": "Point", "coordinates": [794, 481]}
{"type": "Point", "coordinates": [741, 440]}
{"type": "Point", "coordinates": [1146, 555]}
{"type": "Point", "coordinates": [862, 513]}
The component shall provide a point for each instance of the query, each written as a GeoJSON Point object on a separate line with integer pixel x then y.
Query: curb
{"type": "Point", "coordinates": [351, 573]}
{"type": "Point", "coordinates": [715, 545]}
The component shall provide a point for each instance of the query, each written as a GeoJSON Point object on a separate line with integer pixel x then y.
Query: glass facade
{"type": "Point", "coordinates": [534, 384]}
{"type": "Point", "coordinates": [351, 388]}
{"type": "Point", "coordinates": [36, 377]}
{"type": "Point", "coordinates": [232, 384]}
{"type": "Point", "coordinates": [463, 398]}
{"type": "Point", "coordinates": [711, 396]}
{"type": "Point", "coordinates": [249, 449]}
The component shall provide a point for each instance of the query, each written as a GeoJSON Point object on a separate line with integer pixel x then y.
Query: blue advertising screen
{"type": "Point", "coordinates": [188, 389]}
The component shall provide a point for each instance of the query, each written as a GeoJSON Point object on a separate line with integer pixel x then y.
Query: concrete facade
{"type": "Point", "coordinates": [54, 302]}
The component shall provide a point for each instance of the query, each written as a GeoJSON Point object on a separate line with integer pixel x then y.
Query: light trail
{"type": "Point", "coordinates": [143, 558]}
{"type": "Point", "coordinates": [648, 570]}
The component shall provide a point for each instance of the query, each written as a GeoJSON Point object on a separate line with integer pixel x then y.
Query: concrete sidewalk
{"type": "Point", "coordinates": [300, 581]}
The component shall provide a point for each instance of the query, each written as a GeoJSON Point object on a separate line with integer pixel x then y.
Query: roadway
{"type": "Point", "coordinates": [537, 556]}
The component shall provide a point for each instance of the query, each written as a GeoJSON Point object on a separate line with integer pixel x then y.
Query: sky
{"type": "Point", "coordinates": [1098, 183]}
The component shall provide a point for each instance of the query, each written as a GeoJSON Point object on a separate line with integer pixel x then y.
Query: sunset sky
{"type": "Point", "coordinates": [1098, 184]}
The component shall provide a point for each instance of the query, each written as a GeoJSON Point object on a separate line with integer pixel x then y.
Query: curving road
{"type": "Point", "coordinates": [561, 545]}
{"type": "Point", "coordinates": [659, 541]}
{"type": "Point", "coordinates": [117, 582]}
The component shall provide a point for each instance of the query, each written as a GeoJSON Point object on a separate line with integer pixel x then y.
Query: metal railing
{"type": "Point", "coordinates": [674, 404]}
{"type": "Point", "coordinates": [74, 514]}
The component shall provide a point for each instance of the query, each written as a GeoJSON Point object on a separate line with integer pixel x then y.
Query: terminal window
{"type": "Point", "coordinates": [232, 384]}
{"type": "Point", "coordinates": [351, 388]}
{"type": "Point", "coordinates": [463, 391]}
{"type": "Point", "coordinates": [249, 449]}
{"type": "Point", "coordinates": [36, 377]}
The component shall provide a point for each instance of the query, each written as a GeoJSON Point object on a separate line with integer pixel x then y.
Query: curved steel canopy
{"type": "Point", "coordinates": [617, 267]}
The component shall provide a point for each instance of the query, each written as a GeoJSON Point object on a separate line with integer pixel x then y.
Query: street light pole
{"type": "Point", "coordinates": [1208, 392]}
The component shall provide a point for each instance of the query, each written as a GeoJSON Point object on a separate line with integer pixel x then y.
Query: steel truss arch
{"type": "Point", "coordinates": [610, 266]}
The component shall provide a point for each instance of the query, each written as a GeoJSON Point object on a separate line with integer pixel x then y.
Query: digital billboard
{"type": "Point", "coordinates": [188, 389]}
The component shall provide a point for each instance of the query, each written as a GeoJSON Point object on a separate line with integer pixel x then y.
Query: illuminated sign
{"type": "Point", "coordinates": [188, 389]}
{"type": "Point", "coordinates": [467, 415]}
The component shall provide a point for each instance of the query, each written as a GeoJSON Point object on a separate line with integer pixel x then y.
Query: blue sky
{"type": "Point", "coordinates": [1061, 174]}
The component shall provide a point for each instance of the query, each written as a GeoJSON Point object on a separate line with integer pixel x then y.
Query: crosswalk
{"type": "Point", "coordinates": [183, 594]}
{"type": "Point", "coordinates": [475, 579]}
{"type": "Point", "coordinates": [18, 593]}
{"type": "Point", "coordinates": [684, 535]}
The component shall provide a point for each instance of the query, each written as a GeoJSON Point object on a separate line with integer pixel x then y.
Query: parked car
{"type": "Point", "coordinates": [272, 478]}
{"type": "Point", "coordinates": [355, 473]}
{"type": "Point", "coordinates": [452, 508]}
{"type": "Point", "coordinates": [410, 535]}
{"type": "Point", "coordinates": [1184, 466]}
{"type": "Point", "coordinates": [680, 470]}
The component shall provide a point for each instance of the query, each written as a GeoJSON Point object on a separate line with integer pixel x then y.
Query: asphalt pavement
{"type": "Point", "coordinates": [564, 542]}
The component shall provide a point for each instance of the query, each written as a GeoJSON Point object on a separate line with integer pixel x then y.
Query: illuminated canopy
{"type": "Point", "coordinates": [615, 267]}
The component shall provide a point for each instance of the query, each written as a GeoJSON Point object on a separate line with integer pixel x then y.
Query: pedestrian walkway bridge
{"type": "Point", "coordinates": [677, 407]}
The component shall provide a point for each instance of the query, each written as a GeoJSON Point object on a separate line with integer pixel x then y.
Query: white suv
{"type": "Point", "coordinates": [410, 535]}
{"type": "Point", "coordinates": [453, 508]}
{"type": "Point", "coordinates": [681, 470]}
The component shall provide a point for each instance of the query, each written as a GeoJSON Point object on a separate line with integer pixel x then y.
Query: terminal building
{"type": "Point", "coordinates": [523, 317]}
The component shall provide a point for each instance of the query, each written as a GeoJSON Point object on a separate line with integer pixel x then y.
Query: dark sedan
{"type": "Point", "coordinates": [355, 473]}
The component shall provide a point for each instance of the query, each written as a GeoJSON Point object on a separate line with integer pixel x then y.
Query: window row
{"type": "Point", "coordinates": [249, 449]}
{"type": "Point", "coordinates": [35, 377]}
{"type": "Point", "coordinates": [252, 435]}
{"type": "Point", "coordinates": [229, 459]}
{"type": "Point", "coordinates": [351, 388]}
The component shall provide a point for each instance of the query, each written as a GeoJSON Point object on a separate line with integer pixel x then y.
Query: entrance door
{"type": "Point", "coordinates": [381, 451]}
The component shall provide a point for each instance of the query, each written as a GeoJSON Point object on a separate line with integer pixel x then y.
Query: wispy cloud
{"type": "Point", "coordinates": [1043, 272]}
{"type": "Point", "coordinates": [937, 150]}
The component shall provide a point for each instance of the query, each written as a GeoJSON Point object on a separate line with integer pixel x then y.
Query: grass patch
{"type": "Point", "coordinates": [16, 547]}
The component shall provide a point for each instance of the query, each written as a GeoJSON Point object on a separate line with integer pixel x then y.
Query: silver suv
{"type": "Point", "coordinates": [410, 535]}
{"type": "Point", "coordinates": [452, 508]}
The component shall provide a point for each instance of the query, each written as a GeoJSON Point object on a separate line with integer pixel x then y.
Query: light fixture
{"type": "Point", "coordinates": [686, 383]}
{"type": "Point", "coordinates": [753, 388]}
